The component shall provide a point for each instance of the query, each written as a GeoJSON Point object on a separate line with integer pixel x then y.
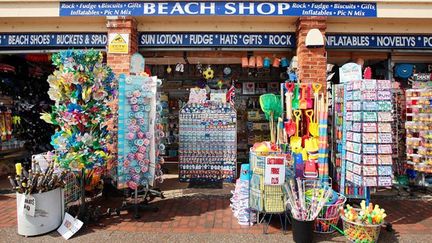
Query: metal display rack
{"type": "Point", "coordinates": [208, 142]}
{"type": "Point", "coordinates": [367, 134]}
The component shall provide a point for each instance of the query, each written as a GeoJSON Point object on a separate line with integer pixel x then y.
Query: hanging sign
{"type": "Point", "coordinates": [118, 43]}
{"type": "Point", "coordinates": [335, 41]}
{"type": "Point", "coordinates": [137, 63]}
{"type": "Point", "coordinates": [274, 171]}
{"type": "Point", "coordinates": [282, 40]}
{"type": "Point", "coordinates": [219, 8]}
{"type": "Point", "coordinates": [20, 40]}
{"type": "Point", "coordinates": [350, 72]}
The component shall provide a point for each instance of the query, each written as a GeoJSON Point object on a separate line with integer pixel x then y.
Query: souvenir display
{"type": "Point", "coordinates": [138, 131]}
{"type": "Point", "coordinates": [82, 89]}
{"type": "Point", "coordinates": [373, 139]}
{"type": "Point", "coordinates": [362, 224]}
{"type": "Point", "coordinates": [305, 128]}
{"type": "Point", "coordinates": [418, 127]}
{"type": "Point", "coordinates": [207, 142]}
{"type": "Point", "coordinates": [240, 199]}
{"type": "Point", "coordinates": [398, 130]}
{"type": "Point", "coordinates": [270, 168]}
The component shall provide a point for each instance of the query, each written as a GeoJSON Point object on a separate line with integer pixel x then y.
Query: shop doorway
{"type": "Point", "coordinates": [183, 70]}
{"type": "Point", "coordinates": [23, 96]}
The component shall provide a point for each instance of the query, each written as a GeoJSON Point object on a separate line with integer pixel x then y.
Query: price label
{"type": "Point", "coordinates": [370, 181]}
{"type": "Point", "coordinates": [29, 206]}
{"type": "Point", "coordinates": [369, 84]}
{"type": "Point", "coordinates": [385, 138]}
{"type": "Point", "coordinates": [384, 95]}
{"type": "Point", "coordinates": [384, 181]}
{"type": "Point", "coordinates": [385, 117]}
{"type": "Point", "coordinates": [370, 106]}
{"type": "Point", "coordinates": [385, 170]}
{"type": "Point", "coordinates": [385, 159]}
{"type": "Point", "coordinates": [369, 127]}
{"type": "Point", "coordinates": [356, 127]}
{"type": "Point", "coordinates": [370, 116]}
{"type": "Point", "coordinates": [369, 95]}
{"type": "Point", "coordinates": [384, 127]}
{"type": "Point", "coordinates": [384, 84]}
{"type": "Point", "coordinates": [385, 149]}
{"type": "Point", "coordinates": [369, 137]}
{"type": "Point", "coordinates": [370, 159]}
{"type": "Point", "coordinates": [369, 170]}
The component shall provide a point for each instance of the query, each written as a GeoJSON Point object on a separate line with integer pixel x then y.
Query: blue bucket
{"type": "Point", "coordinates": [267, 62]}
{"type": "Point", "coordinates": [245, 172]}
{"type": "Point", "coordinates": [284, 62]}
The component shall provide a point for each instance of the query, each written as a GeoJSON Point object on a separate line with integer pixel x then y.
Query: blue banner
{"type": "Point", "coordinates": [202, 8]}
{"type": "Point", "coordinates": [262, 40]}
{"type": "Point", "coordinates": [346, 41]}
{"type": "Point", "coordinates": [20, 40]}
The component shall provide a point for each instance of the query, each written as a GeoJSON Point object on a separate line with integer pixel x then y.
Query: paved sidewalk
{"type": "Point", "coordinates": [204, 215]}
{"type": "Point", "coordinates": [204, 219]}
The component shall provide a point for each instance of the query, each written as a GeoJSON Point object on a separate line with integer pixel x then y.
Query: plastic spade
{"type": "Point", "coordinates": [316, 88]}
{"type": "Point", "coordinates": [295, 100]}
{"type": "Point", "coordinates": [313, 126]}
{"type": "Point", "coordinates": [289, 125]}
{"type": "Point", "coordinates": [309, 98]}
{"type": "Point", "coordinates": [296, 140]}
{"type": "Point", "coordinates": [303, 101]}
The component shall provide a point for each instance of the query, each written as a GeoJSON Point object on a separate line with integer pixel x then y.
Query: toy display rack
{"type": "Point", "coordinates": [207, 142]}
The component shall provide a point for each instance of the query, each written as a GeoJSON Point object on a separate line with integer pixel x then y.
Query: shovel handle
{"type": "Point", "coordinates": [289, 87]}
{"type": "Point", "coordinates": [316, 87]}
{"type": "Point", "coordinates": [309, 114]}
{"type": "Point", "coordinates": [297, 114]}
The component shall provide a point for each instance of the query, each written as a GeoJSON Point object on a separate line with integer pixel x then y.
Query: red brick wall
{"type": "Point", "coordinates": [120, 63]}
{"type": "Point", "coordinates": [311, 61]}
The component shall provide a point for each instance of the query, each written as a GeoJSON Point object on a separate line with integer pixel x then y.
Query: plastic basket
{"type": "Point", "coordinates": [257, 182]}
{"type": "Point", "coordinates": [274, 199]}
{"type": "Point", "coordinates": [329, 215]}
{"type": "Point", "coordinates": [361, 232]}
{"type": "Point", "coordinates": [256, 200]}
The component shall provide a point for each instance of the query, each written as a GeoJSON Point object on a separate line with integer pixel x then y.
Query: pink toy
{"type": "Point", "coordinates": [130, 136]}
{"type": "Point", "coordinates": [140, 156]}
{"type": "Point", "coordinates": [142, 149]}
{"type": "Point", "coordinates": [141, 135]}
{"type": "Point", "coordinates": [135, 108]}
{"type": "Point", "coordinates": [144, 169]}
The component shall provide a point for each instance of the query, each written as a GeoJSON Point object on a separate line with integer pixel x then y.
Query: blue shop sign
{"type": "Point", "coordinates": [262, 40]}
{"type": "Point", "coordinates": [208, 8]}
{"type": "Point", "coordinates": [23, 40]}
{"type": "Point", "coordinates": [335, 41]}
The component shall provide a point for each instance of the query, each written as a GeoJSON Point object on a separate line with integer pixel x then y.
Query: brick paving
{"type": "Point", "coordinates": [197, 211]}
{"type": "Point", "coordinates": [213, 215]}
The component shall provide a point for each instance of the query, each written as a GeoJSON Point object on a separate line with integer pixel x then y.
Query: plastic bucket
{"type": "Point", "coordinates": [48, 213]}
{"type": "Point", "coordinates": [302, 231]}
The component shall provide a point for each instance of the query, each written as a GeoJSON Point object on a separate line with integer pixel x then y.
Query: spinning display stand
{"type": "Point", "coordinates": [208, 142]}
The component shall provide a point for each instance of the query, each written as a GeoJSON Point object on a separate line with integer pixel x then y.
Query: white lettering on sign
{"type": "Point", "coordinates": [284, 40]}
{"type": "Point", "coordinates": [167, 39]}
{"type": "Point", "coordinates": [70, 39]}
{"type": "Point", "coordinates": [252, 39]}
{"type": "Point", "coordinates": [201, 39]}
{"type": "Point", "coordinates": [396, 41]}
{"type": "Point", "coordinates": [348, 41]}
{"type": "Point", "coordinates": [228, 39]}
{"type": "Point", "coordinates": [427, 41]}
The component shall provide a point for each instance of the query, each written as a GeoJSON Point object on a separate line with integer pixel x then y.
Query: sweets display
{"type": "Point", "coordinates": [208, 142]}
{"type": "Point", "coordinates": [367, 133]}
{"type": "Point", "coordinates": [138, 131]}
{"type": "Point", "coordinates": [418, 127]}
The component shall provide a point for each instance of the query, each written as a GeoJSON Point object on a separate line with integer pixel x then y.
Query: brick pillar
{"type": "Point", "coordinates": [311, 61]}
{"type": "Point", "coordinates": [120, 63]}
